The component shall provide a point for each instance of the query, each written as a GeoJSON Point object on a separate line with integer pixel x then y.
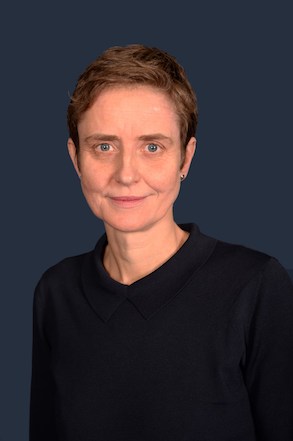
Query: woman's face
{"type": "Point", "coordinates": [130, 157]}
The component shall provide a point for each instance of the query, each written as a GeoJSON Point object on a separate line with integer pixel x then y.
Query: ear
{"type": "Point", "coordinates": [73, 155]}
{"type": "Point", "coordinates": [189, 153]}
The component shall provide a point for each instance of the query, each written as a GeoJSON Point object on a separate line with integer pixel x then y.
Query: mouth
{"type": "Point", "coordinates": [127, 201]}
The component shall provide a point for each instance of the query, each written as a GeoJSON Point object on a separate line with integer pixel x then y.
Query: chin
{"type": "Point", "coordinates": [129, 226]}
{"type": "Point", "coordinates": [133, 220]}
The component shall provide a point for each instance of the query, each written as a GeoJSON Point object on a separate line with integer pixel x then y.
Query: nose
{"type": "Point", "coordinates": [127, 170]}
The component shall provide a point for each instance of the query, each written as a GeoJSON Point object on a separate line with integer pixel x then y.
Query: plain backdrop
{"type": "Point", "coordinates": [238, 56]}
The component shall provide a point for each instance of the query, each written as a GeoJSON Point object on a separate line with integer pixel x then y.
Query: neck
{"type": "Point", "coordinates": [129, 256]}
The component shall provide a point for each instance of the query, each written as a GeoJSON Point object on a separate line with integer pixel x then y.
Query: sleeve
{"type": "Point", "coordinates": [42, 424]}
{"type": "Point", "coordinates": [268, 369]}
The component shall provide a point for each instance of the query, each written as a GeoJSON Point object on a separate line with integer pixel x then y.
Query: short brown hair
{"type": "Point", "coordinates": [135, 65]}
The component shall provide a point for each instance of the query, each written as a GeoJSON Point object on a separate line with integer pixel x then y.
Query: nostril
{"type": "Point", "coordinates": [127, 171]}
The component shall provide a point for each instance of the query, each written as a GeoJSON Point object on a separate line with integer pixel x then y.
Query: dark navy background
{"type": "Point", "coordinates": [238, 56]}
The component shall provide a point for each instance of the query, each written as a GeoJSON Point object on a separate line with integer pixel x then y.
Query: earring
{"type": "Point", "coordinates": [182, 177]}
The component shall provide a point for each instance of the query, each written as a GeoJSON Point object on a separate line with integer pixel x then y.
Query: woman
{"type": "Point", "coordinates": [159, 333]}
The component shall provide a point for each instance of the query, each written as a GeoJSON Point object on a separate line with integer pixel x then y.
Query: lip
{"type": "Point", "coordinates": [127, 201]}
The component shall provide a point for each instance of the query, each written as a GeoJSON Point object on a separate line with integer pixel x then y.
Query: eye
{"type": "Point", "coordinates": [152, 147]}
{"type": "Point", "coordinates": [104, 147]}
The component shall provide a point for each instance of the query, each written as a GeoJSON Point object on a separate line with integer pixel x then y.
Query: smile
{"type": "Point", "coordinates": [127, 201]}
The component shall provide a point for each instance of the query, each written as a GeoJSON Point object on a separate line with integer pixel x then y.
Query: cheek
{"type": "Point", "coordinates": [164, 180]}
{"type": "Point", "coordinates": [92, 191]}
{"type": "Point", "coordinates": [91, 177]}
{"type": "Point", "coordinates": [91, 188]}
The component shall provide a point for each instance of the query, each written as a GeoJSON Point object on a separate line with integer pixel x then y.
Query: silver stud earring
{"type": "Point", "coordinates": [182, 177]}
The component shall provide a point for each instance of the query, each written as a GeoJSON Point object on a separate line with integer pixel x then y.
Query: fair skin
{"type": "Point", "coordinates": [130, 164]}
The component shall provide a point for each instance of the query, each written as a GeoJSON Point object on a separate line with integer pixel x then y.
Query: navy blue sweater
{"type": "Point", "coordinates": [199, 350]}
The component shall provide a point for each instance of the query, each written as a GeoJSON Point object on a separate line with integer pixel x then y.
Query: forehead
{"type": "Point", "coordinates": [132, 110]}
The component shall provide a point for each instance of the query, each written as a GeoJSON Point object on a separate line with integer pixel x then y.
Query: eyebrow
{"type": "Point", "coordinates": [148, 137]}
{"type": "Point", "coordinates": [152, 136]}
{"type": "Point", "coordinates": [100, 137]}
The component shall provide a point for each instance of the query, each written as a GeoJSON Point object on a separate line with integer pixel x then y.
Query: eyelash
{"type": "Point", "coordinates": [110, 148]}
{"type": "Point", "coordinates": [154, 145]}
{"type": "Point", "coordinates": [99, 147]}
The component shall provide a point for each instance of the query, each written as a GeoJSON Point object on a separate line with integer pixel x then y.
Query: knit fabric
{"type": "Point", "coordinates": [199, 350]}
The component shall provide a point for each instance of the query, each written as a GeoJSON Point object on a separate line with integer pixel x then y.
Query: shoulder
{"type": "Point", "coordinates": [240, 255]}
{"type": "Point", "coordinates": [221, 253]}
{"type": "Point", "coordinates": [245, 259]}
{"type": "Point", "coordinates": [63, 277]}
{"type": "Point", "coordinates": [64, 280]}
{"type": "Point", "coordinates": [231, 258]}
{"type": "Point", "coordinates": [237, 265]}
{"type": "Point", "coordinates": [259, 280]}
{"type": "Point", "coordinates": [256, 284]}
{"type": "Point", "coordinates": [65, 269]}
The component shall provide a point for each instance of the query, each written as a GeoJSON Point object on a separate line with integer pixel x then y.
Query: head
{"type": "Point", "coordinates": [132, 120]}
{"type": "Point", "coordinates": [135, 65]}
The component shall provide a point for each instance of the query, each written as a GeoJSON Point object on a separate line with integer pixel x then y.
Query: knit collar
{"type": "Point", "coordinates": [153, 291]}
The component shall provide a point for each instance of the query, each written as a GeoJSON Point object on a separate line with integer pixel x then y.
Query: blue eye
{"type": "Point", "coordinates": [152, 148]}
{"type": "Point", "coordinates": [104, 147]}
